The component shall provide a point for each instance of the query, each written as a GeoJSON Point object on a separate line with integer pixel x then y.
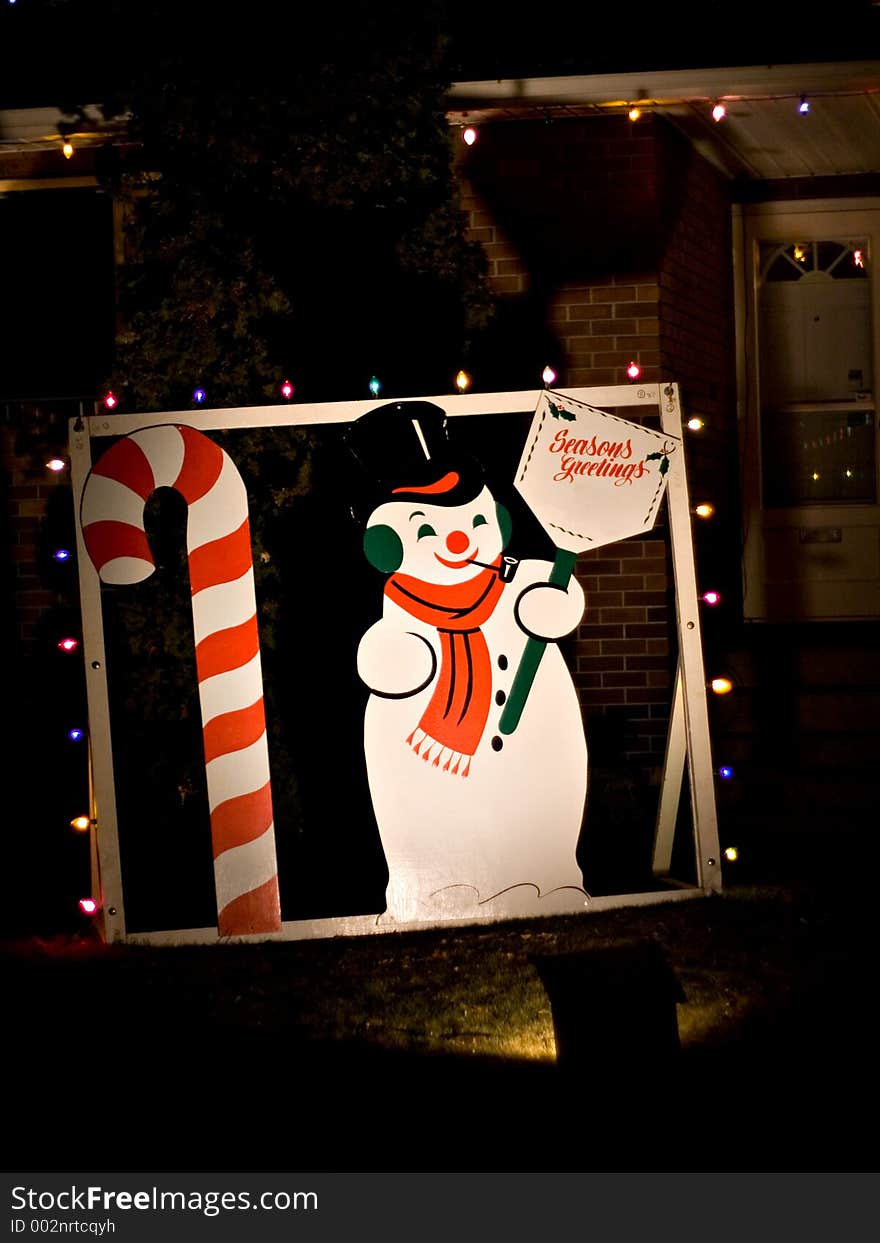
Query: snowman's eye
{"type": "Point", "coordinates": [424, 530]}
{"type": "Point", "coordinates": [479, 521]}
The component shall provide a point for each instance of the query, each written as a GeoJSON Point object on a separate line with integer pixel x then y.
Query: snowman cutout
{"type": "Point", "coordinates": [472, 822]}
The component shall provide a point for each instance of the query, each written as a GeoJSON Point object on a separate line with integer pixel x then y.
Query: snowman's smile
{"type": "Point", "coordinates": [456, 565]}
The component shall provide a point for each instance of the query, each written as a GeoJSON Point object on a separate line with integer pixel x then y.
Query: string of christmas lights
{"type": "Point", "coordinates": [90, 905]}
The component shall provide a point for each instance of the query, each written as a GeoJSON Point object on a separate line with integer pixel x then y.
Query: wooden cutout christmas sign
{"type": "Point", "coordinates": [473, 734]}
{"type": "Point", "coordinates": [227, 641]}
{"type": "Point", "coordinates": [470, 822]}
{"type": "Point", "coordinates": [590, 478]}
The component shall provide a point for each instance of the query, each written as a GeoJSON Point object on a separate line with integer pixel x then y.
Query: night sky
{"type": "Point", "coordinates": [52, 51]}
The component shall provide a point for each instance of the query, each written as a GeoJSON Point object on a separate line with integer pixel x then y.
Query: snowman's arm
{"type": "Point", "coordinates": [394, 662]}
{"type": "Point", "coordinates": [545, 611]}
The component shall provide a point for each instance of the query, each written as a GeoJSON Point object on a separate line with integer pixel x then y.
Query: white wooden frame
{"type": "Point", "coordinates": [688, 738]}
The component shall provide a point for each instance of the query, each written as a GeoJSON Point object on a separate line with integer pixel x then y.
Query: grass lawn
{"type": "Point", "coordinates": [435, 1050]}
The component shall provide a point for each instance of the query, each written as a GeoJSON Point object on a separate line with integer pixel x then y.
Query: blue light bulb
{"type": "Point", "coordinates": [75, 734]}
{"type": "Point", "coordinates": [725, 771]}
{"type": "Point", "coordinates": [198, 396]}
{"type": "Point", "coordinates": [61, 554]}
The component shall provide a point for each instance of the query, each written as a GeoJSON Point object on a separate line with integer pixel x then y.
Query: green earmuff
{"type": "Point", "coordinates": [383, 548]}
{"type": "Point", "coordinates": [505, 523]}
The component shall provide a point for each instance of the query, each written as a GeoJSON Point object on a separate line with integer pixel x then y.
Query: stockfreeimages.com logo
{"type": "Point", "coordinates": [155, 1200]}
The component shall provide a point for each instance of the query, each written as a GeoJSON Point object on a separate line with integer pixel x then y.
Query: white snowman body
{"type": "Point", "coordinates": [501, 840]}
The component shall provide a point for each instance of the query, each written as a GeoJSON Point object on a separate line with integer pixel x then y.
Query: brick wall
{"type": "Point", "coordinates": [616, 239]}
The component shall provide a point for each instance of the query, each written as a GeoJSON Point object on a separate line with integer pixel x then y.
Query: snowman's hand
{"type": "Point", "coordinates": [395, 663]}
{"type": "Point", "coordinates": [545, 611]}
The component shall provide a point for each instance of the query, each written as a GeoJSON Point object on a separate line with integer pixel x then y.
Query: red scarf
{"type": "Point", "coordinates": [453, 722]}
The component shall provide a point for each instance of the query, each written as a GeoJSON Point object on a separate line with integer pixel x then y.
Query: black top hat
{"type": "Point", "coordinates": [406, 454]}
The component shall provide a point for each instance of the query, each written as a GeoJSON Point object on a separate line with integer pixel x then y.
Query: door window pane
{"type": "Point", "coordinates": [819, 456]}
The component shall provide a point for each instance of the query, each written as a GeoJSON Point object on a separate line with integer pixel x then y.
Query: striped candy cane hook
{"type": "Point", "coordinates": [226, 637]}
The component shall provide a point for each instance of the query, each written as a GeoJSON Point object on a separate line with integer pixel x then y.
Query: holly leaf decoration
{"type": "Point", "coordinates": [559, 413]}
{"type": "Point", "coordinates": [662, 458]}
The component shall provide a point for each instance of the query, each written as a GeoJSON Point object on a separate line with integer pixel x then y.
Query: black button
{"type": "Point", "coordinates": [497, 743]}
{"type": "Point", "coordinates": [500, 698]}
{"type": "Point", "coordinates": [502, 662]}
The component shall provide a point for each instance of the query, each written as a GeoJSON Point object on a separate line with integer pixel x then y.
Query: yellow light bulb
{"type": "Point", "coordinates": [67, 150]}
{"type": "Point", "coordinates": [462, 381]}
{"type": "Point", "coordinates": [695, 424]}
{"type": "Point", "coordinates": [721, 686]}
{"type": "Point", "coordinates": [731, 854]}
{"type": "Point", "coordinates": [634, 113]}
{"type": "Point", "coordinates": [704, 510]}
{"type": "Point", "coordinates": [80, 823]}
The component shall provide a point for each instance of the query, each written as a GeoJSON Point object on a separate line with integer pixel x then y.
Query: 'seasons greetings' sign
{"type": "Point", "coordinates": [589, 477]}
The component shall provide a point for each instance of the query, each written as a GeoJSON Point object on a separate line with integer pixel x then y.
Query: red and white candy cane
{"type": "Point", "coordinates": [226, 638]}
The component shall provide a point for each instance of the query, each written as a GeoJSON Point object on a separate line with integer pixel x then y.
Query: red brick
{"type": "Point", "coordinates": [645, 662]}
{"type": "Point", "coordinates": [625, 582]}
{"type": "Point", "coordinates": [606, 695]}
{"type": "Point", "coordinates": [506, 284]}
{"type": "Point", "coordinates": [659, 677]}
{"type": "Point", "coordinates": [615, 678]}
{"type": "Point", "coordinates": [591, 631]}
{"type": "Point", "coordinates": [601, 664]}
{"type": "Point", "coordinates": [624, 647]}
{"type": "Point", "coordinates": [624, 293]}
{"type": "Point", "coordinates": [614, 328]}
{"type": "Point", "coordinates": [605, 600]}
{"type": "Point", "coordinates": [501, 250]}
{"type": "Point", "coordinates": [656, 582]}
{"type": "Point", "coordinates": [622, 615]}
{"type": "Point", "coordinates": [579, 312]}
{"type": "Point", "coordinates": [639, 695]}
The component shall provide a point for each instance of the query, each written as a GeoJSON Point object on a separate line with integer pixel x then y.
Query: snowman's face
{"type": "Point", "coordinates": [444, 544]}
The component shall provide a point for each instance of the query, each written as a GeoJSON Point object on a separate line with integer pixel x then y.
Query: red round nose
{"type": "Point", "coordinates": [457, 541]}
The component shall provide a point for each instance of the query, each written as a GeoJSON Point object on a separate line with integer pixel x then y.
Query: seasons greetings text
{"type": "Point", "coordinates": [608, 459]}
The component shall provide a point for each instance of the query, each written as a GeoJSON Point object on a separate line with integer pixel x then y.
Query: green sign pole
{"type": "Point", "coordinates": [563, 568]}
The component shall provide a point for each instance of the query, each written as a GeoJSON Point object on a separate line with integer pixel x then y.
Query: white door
{"type": "Point", "coordinates": [808, 321]}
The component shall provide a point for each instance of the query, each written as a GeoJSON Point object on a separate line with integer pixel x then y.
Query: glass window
{"type": "Point", "coordinates": [815, 373]}
{"type": "Point", "coordinates": [818, 456]}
